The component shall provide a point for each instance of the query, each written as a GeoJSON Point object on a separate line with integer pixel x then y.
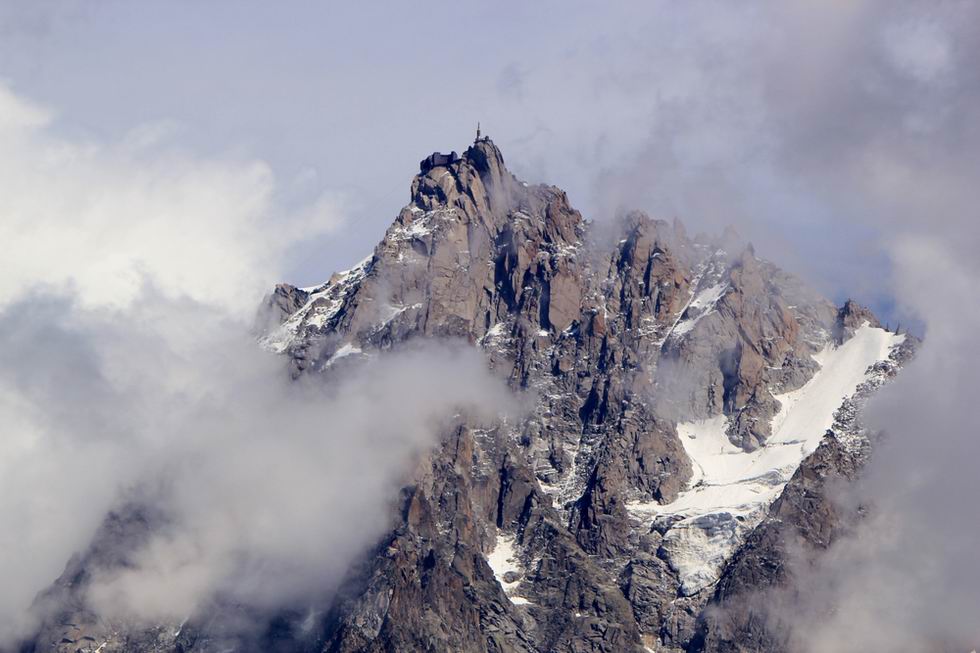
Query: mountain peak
{"type": "Point", "coordinates": [674, 388]}
{"type": "Point", "coordinates": [485, 155]}
{"type": "Point", "coordinates": [476, 182]}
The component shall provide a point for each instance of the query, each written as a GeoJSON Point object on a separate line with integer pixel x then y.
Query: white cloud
{"type": "Point", "coordinates": [128, 370]}
{"type": "Point", "coordinates": [840, 134]}
{"type": "Point", "coordinates": [104, 218]}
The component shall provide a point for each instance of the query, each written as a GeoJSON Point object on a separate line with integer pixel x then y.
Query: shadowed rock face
{"type": "Point", "coordinates": [611, 343]}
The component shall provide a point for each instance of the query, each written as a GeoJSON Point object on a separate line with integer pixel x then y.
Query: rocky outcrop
{"type": "Point", "coordinates": [613, 343]}
{"type": "Point", "coordinates": [736, 343]}
{"type": "Point", "coordinates": [851, 316]}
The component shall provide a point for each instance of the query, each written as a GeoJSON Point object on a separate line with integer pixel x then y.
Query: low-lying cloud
{"type": "Point", "coordinates": [907, 579]}
{"type": "Point", "coordinates": [129, 373]}
{"type": "Point", "coordinates": [839, 136]}
{"type": "Point", "coordinates": [853, 124]}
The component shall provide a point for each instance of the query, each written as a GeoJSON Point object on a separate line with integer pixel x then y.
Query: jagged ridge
{"type": "Point", "coordinates": [618, 342]}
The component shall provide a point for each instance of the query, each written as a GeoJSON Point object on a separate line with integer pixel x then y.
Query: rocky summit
{"type": "Point", "coordinates": [688, 405]}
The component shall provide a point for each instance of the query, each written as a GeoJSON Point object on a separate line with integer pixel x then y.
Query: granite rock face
{"type": "Point", "coordinates": [613, 342]}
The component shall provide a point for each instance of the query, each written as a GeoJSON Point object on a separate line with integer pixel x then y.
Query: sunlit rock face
{"type": "Point", "coordinates": [677, 396]}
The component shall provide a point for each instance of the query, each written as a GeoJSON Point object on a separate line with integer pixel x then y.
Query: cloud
{"type": "Point", "coordinates": [128, 371]}
{"type": "Point", "coordinates": [103, 218]}
{"type": "Point", "coordinates": [866, 112]}
{"type": "Point", "coordinates": [907, 580]}
{"type": "Point", "coordinates": [920, 49]}
{"type": "Point", "coordinates": [840, 136]}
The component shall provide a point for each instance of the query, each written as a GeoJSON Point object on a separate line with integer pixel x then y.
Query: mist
{"type": "Point", "coordinates": [839, 137]}
{"type": "Point", "coordinates": [907, 579]}
{"type": "Point", "coordinates": [860, 138]}
{"type": "Point", "coordinates": [130, 375]}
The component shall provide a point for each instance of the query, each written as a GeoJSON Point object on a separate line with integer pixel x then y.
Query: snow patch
{"type": "Point", "coordinates": [423, 225]}
{"type": "Point", "coordinates": [503, 561]}
{"type": "Point", "coordinates": [390, 311]}
{"type": "Point", "coordinates": [345, 351]}
{"type": "Point", "coordinates": [322, 305]}
{"type": "Point", "coordinates": [807, 413]}
{"type": "Point", "coordinates": [417, 229]}
{"type": "Point", "coordinates": [702, 304]}
{"type": "Point", "coordinates": [709, 271]}
{"type": "Point", "coordinates": [731, 489]}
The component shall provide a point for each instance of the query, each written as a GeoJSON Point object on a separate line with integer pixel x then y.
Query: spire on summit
{"type": "Point", "coordinates": [480, 138]}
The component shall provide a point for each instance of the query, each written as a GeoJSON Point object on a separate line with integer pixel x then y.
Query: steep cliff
{"type": "Point", "coordinates": [679, 393]}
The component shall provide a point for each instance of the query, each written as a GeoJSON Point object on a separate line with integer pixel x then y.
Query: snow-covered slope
{"type": "Point", "coordinates": [732, 488]}
{"type": "Point", "coordinates": [504, 563]}
{"type": "Point", "coordinates": [324, 302]}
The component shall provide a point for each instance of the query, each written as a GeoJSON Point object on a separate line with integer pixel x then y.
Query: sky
{"type": "Point", "coordinates": [706, 111]}
{"type": "Point", "coordinates": [163, 164]}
